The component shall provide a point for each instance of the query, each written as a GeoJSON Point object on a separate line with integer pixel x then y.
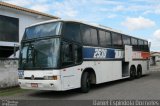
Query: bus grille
{"type": "Point", "coordinates": [36, 78]}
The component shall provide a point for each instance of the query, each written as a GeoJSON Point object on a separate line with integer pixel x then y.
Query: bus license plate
{"type": "Point", "coordinates": [34, 85]}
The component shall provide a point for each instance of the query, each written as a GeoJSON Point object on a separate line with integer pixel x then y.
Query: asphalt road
{"type": "Point", "coordinates": [147, 87]}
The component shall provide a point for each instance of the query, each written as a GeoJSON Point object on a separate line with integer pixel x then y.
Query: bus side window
{"type": "Point", "coordinates": [126, 40]}
{"type": "Point", "coordinates": [72, 32]}
{"type": "Point", "coordinates": [67, 56]}
{"type": "Point", "coordinates": [94, 37]}
{"type": "Point", "coordinates": [104, 38]}
{"type": "Point", "coordinates": [146, 47]}
{"type": "Point", "coordinates": [77, 54]}
{"type": "Point", "coordinates": [141, 44]}
{"type": "Point", "coordinates": [134, 43]}
{"type": "Point", "coordinates": [86, 35]}
{"type": "Point", "coordinates": [117, 40]}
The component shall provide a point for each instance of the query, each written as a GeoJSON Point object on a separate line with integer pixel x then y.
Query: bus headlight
{"type": "Point", "coordinates": [50, 77]}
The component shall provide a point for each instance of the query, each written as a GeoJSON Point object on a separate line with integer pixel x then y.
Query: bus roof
{"type": "Point", "coordinates": [86, 23]}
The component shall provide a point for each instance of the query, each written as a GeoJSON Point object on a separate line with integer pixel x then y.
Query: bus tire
{"type": "Point", "coordinates": [139, 71]}
{"type": "Point", "coordinates": [85, 82]}
{"type": "Point", "coordinates": [132, 72]}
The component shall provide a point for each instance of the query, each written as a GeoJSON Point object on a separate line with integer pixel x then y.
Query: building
{"type": "Point", "coordinates": [155, 57]}
{"type": "Point", "coordinates": [13, 20]}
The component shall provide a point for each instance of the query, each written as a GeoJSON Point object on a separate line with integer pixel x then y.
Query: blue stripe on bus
{"type": "Point", "coordinates": [90, 53]}
{"type": "Point", "coordinates": [110, 53]}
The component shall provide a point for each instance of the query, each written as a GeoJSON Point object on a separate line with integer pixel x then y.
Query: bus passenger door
{"type": "Point", "coordinates": [71, 57]}
{"type": "Point", "coordinates": [127, 59]}
{"type": "Point", "coordinates": [128, 53]}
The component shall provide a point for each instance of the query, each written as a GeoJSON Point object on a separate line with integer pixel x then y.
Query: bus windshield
{"type": "Point", "coordinates": [40, 54]}
{"type": "Point", "coordinates": [42, 30]}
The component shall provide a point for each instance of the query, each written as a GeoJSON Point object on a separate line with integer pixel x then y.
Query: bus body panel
{"type": "Point", "coordinates": [70, 77]}
{"type": "Point", "coordinates": [144, 64]}
{"type": "Point", "coordinates": [42, 84]}
{"type": "Point", "coordinates": [37, 77]}
{"type": "Point", "coordinates": [41, 73]}
{"type": "Point", "coordinates": [105, 71]}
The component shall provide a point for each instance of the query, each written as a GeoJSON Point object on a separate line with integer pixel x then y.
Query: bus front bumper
{"type": "Point", "coordinates": [54, 85]}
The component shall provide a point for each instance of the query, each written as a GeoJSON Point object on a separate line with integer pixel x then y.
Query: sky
{"type": "Point", "coordinates": [139, 18]}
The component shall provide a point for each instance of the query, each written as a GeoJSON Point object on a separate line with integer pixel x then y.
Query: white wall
{"type": "Point", "coordinates": [157, 58]}
{"type": "Point", "coordinates": [8, 68]}
{"type": "Point", "coordinates": [8, 73]}
{"type": "Point", "coordinates": [25, 19]}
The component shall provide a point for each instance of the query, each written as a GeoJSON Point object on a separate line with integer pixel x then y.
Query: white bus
{"type": "Point", "coordinates": [61, 55]}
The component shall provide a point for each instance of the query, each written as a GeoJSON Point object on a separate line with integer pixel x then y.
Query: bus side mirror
{"type": "Point", "coordinates": [149, 45]}
{"type": "Point", "coordinates": [15, 49]}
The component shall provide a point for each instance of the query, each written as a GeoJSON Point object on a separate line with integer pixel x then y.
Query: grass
{"type": "Point", "coordinates": [11, 91]}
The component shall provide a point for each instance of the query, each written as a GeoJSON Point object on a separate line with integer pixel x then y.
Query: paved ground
{"type": "Point", "coordinates": [147, 87]}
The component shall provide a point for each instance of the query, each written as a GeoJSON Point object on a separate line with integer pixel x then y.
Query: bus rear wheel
{"type": "Point", "coordinates": [85, 82]}
{"type": "Point", "coordinates": [139, 71]}
{"type": "Point", "coordinates": [132, 72]}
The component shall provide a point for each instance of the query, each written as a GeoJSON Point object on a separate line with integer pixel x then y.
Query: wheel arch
{"type": "Point", "coordinates": [92, 74]}
{"type": "Point", "coordinates": [133, 66]}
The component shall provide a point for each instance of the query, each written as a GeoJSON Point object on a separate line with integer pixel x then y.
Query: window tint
{"type": "Point", "coordinates": [94, 36]}
{"type": "Point", "coordinates": [72, 32]}
{"type": "Point", "coordinates": [145, 43]}
{"type": "Point", "coordinates": [141, 44]}
{"type": "Point", "coordinates": [86, 35]}
{"type": "Point", "coordinates": [126, 40]}
{"type": "Point", "coordinates": [102, 38]}
{"type": "Point", "coordinates": [71, 54]}
{"type": "Point", "coordinates": [67, 54]}
{"type": "Point", "coordinates": [134, 43]}
{"type": "Point", "coordinates": [105, 38]}
{"type": "Point", "coordinates": [9, 29]}
{"type": "Point", "coordinates": [89, 35]}
{"type": "Point", "coordinates": [146, 48]}
{"type": "Point", "coordinates": [116, 40]}
{"type": "Point", "coordinates": [108, 37]}
{"type": "Point", "coordinates": [77, 54]}
{"type": "Point", "coordinates": [43, 30]}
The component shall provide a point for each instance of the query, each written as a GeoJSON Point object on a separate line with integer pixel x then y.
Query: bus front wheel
{"type": "Point", "coordinates": [85, 82]}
